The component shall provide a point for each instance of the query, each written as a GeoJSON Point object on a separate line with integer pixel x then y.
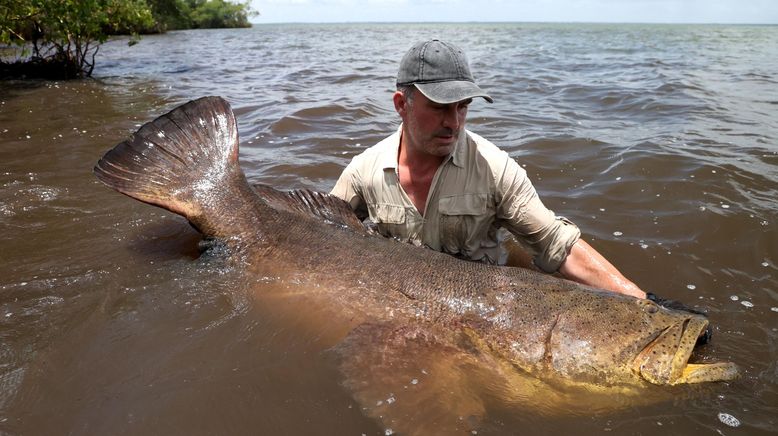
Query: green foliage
{"type": "Point", "coordinates": [220, 13]}
{"type": "Point", "coordinates": [66, 34]}
{"type": "Point", "coordinates": [188, 14]}
{"type": "Point", "coordinates": [13, 16]}
{"type": "Point", "coordinates": [171, 14]}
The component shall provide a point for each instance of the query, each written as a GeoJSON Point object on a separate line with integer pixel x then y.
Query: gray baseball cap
{"type": "Point", "coordinates": [440, 71]}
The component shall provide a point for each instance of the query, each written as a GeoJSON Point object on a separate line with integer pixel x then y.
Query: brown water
{"type": "Point", "coordinates": [660, 142]}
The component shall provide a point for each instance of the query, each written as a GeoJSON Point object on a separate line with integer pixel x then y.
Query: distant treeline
{"type": "Point", "coordinates": [198, 14]}
{"type": "Point", "coordinates": [61, 38]}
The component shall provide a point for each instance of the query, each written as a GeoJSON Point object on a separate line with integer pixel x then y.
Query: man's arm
{"type": "Point", "coordinates": [555, 243]}
{"type": "Point", "coordinates": [587, 266]}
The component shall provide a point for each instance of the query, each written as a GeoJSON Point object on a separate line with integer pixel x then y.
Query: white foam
{"type": "Point", "coordinates": [728, 419]}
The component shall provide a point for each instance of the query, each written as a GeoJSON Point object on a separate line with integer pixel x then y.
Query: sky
{"type": "Point", "coordinates": [596, 11]}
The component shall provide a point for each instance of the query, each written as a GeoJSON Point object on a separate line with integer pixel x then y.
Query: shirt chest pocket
{"type": "Point", "coordinates": [387, 214]}
{"type": "Point", "coordinates": [465, 204]}
{"type": "Point", "coordinates": [390, 220]}
{"type": "Point", "coordinates": [462, 220]}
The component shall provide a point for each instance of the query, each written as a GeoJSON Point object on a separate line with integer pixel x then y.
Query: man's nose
{"type": "Point", "coordinates": [451, 117]}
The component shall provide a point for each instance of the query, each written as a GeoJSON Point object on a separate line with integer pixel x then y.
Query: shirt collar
{"type": "Point", "coordinates": [389, 156]}
{"type": "Point", "coordinates": [390, 153]}
{"type": "Point", "coordinates": [458, 156]}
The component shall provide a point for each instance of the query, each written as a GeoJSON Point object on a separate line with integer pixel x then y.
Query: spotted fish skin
{"type": "Point", "coordinates": [186, 161]}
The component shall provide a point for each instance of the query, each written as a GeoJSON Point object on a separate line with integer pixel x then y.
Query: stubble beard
{"type": "Point", "coordinates": [431, 144]}
{"type": "Point", "coordinates": [436, 148]}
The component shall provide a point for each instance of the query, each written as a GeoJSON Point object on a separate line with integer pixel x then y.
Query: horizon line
{"type": "Point", "coordinates": [523, 22]}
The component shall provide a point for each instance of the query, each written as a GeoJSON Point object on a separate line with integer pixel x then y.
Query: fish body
{"type": "Point", "coordinates": [186, 161]}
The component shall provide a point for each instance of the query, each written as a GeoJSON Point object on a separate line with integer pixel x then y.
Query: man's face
{"type": "Point", "coordinates": [431, 128]}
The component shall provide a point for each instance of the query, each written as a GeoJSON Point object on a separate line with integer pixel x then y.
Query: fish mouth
{"type": "Point", "coordinates": [665, 360]}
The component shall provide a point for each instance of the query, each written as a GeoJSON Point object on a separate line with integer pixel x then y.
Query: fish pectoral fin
{"type": "Point", "coordinates": [412, 378]}
{"type": "Point", "coordinates": [708, 372]}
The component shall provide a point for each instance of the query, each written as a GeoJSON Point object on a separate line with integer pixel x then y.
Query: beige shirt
{"type": "Point", "coordinates": [476, 191]}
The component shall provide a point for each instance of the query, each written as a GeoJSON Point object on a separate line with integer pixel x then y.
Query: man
{"type": "Point", "coordinates": [436, 184]}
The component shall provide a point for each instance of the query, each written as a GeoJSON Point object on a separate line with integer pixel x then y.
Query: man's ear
{"type": "Point", "coordinates": [400, 104]}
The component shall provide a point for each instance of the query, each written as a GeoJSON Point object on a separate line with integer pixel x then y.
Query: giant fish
{"type": "Point", "coordinates": [186, 161]}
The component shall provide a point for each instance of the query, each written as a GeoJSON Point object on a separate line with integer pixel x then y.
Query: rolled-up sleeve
{"type": "Point", "coordinates": [520, 210]}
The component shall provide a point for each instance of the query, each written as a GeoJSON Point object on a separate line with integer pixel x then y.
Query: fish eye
{"type": "Point", "coordinates": [649, 306]}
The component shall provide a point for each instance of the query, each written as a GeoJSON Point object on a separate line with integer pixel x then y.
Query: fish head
{"type": "Point", "coordinates": [606, 338]}
{"type": "Point", "coordinates": [664, 360]}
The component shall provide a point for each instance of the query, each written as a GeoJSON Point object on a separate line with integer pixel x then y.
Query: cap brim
{"type": "Point", "coordinates": [451, 91]}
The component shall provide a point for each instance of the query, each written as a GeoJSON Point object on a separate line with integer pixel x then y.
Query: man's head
{"type": "Point", "coordinates": [434, 118]}
{"type": "Point", "coordinates": [440, 71]}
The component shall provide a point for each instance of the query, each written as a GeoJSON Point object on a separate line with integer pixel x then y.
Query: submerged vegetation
{"type": "Point", "coordinates": [61, 38]}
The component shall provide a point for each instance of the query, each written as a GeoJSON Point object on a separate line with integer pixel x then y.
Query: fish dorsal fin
{"type": "Point", "coordinates": [314, 204]}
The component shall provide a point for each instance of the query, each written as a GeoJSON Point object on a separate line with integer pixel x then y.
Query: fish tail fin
{"type": "Point", "coordinates": [185, 161]}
